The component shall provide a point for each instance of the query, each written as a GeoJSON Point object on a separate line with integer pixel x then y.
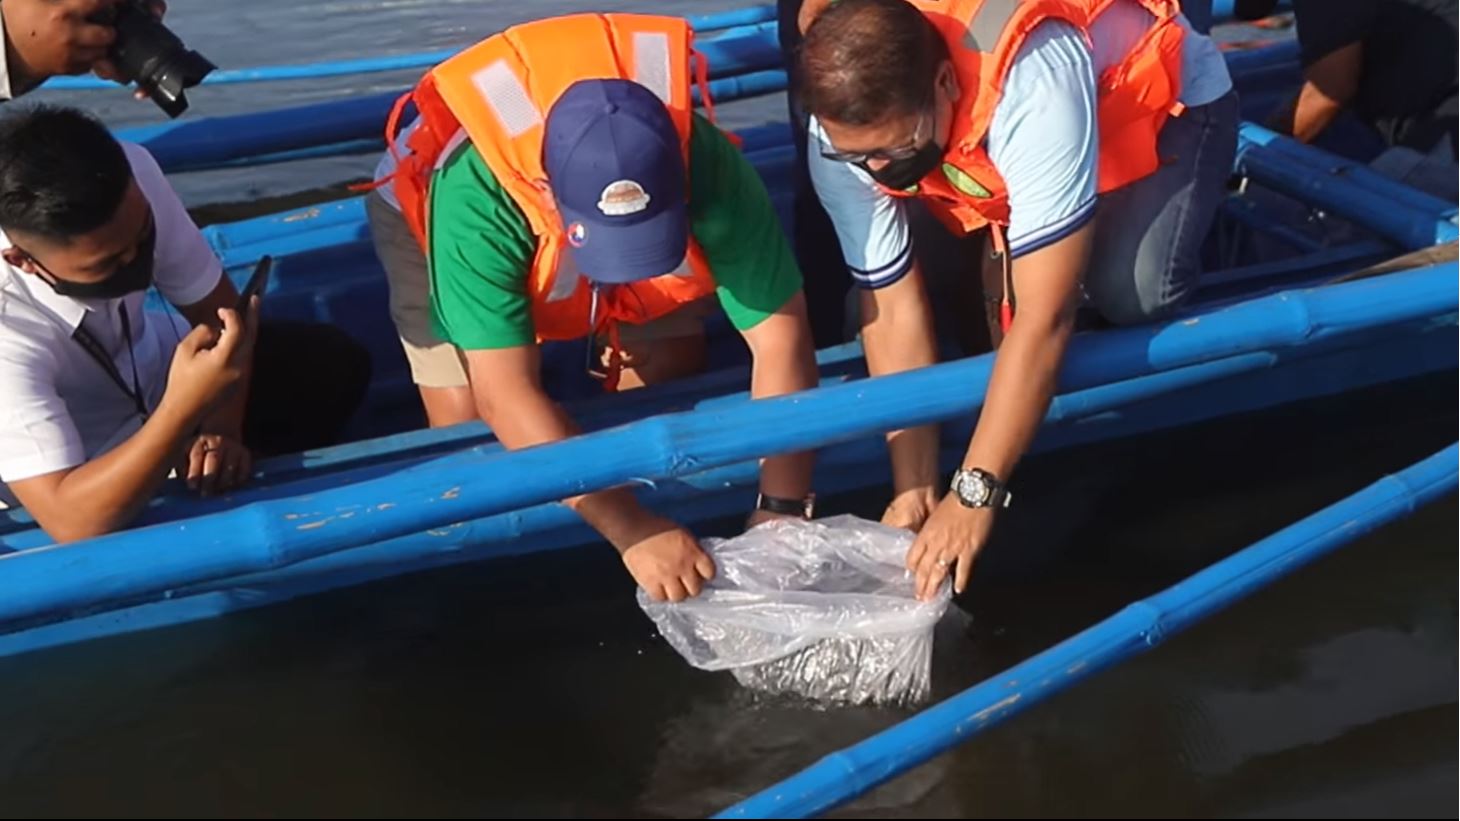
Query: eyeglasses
{"type": "Point", "coordinates": [910, 149]}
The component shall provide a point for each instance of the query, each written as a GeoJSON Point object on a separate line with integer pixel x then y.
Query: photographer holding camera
{"type": "Point", "coordinates": [49, 38]}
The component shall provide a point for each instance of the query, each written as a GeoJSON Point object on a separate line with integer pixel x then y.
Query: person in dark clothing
{"type": "Point", "coordinates": [1389, 63]}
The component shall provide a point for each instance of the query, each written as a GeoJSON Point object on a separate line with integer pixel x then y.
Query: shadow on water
{"type": "Point", "coordinates": [535, 686]}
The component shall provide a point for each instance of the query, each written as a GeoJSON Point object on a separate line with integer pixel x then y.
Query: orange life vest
{"type": "Point", "coordinates": [497, 95]}
{"type": "Point", "coordinates": [1135, 97]}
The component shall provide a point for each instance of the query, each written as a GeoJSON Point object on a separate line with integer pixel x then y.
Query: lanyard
{"type": "Point", "coordinates": [94, 349]}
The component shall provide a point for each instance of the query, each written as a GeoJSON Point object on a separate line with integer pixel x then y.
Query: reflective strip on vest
{"type": "Point", "coordinates": [651, 63]}
{"type": "Point", "coordinates": [508, 99]}
{"type": "Point", "coordinates": [988, 24]}
{"type": "Point", "coordinates": [565, 278]}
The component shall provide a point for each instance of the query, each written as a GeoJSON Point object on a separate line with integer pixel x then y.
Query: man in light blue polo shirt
{"type": "Point", "coordinates": [1133, 250]}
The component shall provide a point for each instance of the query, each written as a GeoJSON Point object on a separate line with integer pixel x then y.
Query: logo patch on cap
{"type": "Point", "coordinates": [622, 198]}
{"type": "Point", "coordinates": [577, 235]}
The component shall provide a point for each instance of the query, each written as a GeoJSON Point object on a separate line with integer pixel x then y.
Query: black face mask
{"type": "Point", "coordinates": [127, 279]}
{"type": "Point", "coordinates": [900, 175]}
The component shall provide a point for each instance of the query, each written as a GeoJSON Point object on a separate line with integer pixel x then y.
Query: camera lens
{"type": "Point", "coordinates": [148, 53]}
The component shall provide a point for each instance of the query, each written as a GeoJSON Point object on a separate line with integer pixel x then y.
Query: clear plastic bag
{"type": "Point", "coordinates": [822, 609]}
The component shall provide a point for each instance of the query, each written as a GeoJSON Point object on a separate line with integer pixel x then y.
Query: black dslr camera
{"type": "Point", "coordinates": [148, 53]}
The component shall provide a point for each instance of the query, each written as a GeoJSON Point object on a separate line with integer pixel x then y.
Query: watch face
{"type": "Point", "coordinates": [973, 489]}
{"type": "Point", "coordinates": [979, 490]}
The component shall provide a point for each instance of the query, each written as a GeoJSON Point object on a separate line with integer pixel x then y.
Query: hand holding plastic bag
{"type": "Point", "coordinates": [824, 609]}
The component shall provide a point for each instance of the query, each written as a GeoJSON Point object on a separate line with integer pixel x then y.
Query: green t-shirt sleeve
{"type": "Point", "coordinates": [732, 218]}
{"type": "Point", "coordinates": [482, 248]}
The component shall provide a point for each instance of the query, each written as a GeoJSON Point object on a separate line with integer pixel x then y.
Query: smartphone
{"type": "Point", "coordinates": [256, 283]}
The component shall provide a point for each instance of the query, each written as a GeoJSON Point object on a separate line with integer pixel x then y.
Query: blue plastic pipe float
{"type": "Point", "coordinates": [721, 492]}
{"type": "Point", "coordinates": [1161, 401]}
{"type": "Point", "coordinates": [199, 143]}
{"type": "Point", "coordinates": [354, 461]}
{"type": "Point", "coordinates": [20, 532]}
{"type": "Point", "coordinates": [719, 23]}
{"type": "Point", "coordinates": [1327, 164]}
{"type": "Point", "coordinates": [850, 772]}
{"type": "Point", "coordinates": [1396, 212]}
{"type": "Point", "coordinates": [745, 59]}
{"type": "Point", "coordinates": [266, 535]}
{"type": "Point", "coordinates": [745, 65]}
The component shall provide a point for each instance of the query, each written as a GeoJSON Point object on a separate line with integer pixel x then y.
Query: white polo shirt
{"type": "Point", "coordinates": [58, 408]}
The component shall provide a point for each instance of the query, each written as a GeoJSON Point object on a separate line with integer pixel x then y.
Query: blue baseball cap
{"type": "Point", "coordinates": [614, 164]}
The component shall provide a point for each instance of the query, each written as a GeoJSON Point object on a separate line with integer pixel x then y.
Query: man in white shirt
{"type": "Point", "coordinates": [901, 107]}
{"type": "Point", "coordinates": [101, 399]}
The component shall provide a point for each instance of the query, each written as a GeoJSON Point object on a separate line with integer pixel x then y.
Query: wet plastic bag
{"type": "Point", "coordinates": [823, 609]}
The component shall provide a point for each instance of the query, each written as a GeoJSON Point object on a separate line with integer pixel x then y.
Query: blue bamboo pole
{"type": "Point", "coordinates": [1404, 224]}
{"type": "Point", "coordinates": [1360, 360]}
{"type": "Point", "coordinates": [344, 463]}
{"type": "Point", "coordinates": [1325, 262]}
{"type": "Point", "coordinates": [850, 466]}
{"type": "Point", "coordinates": [1253, 215]}
{"type": "Point", "coordinates": [723, 24]}
{"type": "Point", "coordinates": [209, 142]}
{"type": "Point", "coordinates": [355, 466]}
{"type": "Point", "coordinates": [281, 532]}
{"type": "Point", "coordinates": [202, 141]}
{"type": "Point", "coordinates": [341, 125]}
{"type": "Point", "coordinates": [718, 23]}
{"type": "Point", "coordinates": [845, 774]}
{"type": "Point", "coordinates": [1332, 165]}
{"type": "Point", "coordinates": [303, 71]}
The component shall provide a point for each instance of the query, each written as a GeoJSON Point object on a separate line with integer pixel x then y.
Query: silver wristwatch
{"type": "Point", "coordinates": [976, 487]}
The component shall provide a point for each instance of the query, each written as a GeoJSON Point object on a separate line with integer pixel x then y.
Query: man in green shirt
{"type": "Point", "coordinates": [613, 159]}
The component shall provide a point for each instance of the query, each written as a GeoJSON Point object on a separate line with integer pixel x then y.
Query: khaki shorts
{"type": "Point", "coordinates": [436, 363]}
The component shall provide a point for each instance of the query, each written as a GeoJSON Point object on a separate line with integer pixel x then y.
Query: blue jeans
{"type": "Point", "coordinates": [1148, 235]}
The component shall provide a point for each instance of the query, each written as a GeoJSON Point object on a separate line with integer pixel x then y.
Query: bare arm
{"type": "Point", "coordinates": [105, 493]}
{"type": "Point", "coordinates": [1329, 84]}
{"type": "Point", "coordinates": [898, 335]}
{"type": "Point", "coordinates": [784, 362]}
{"type": "Point", "coordinates": [1028, 361]}
{"type": "Point", "coordinates": [1025, 369]}
{"type": "Point", "coordinates": [509, 395]}
{"type": "Point", "coordinates": [661, 556]}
